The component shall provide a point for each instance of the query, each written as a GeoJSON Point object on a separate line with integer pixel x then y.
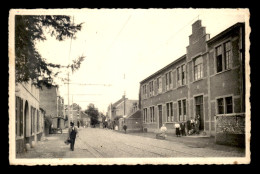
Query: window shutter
{"type": "Point", "coordinates": [21, 117]}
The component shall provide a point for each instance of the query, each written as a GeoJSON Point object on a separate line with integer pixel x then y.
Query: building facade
{"type": "Point", "coordinates": [208, 80]}
{"type": "Point", "coordinates": [29, 117]}
{"type": "Point", "coordinates": [123, 106]}
{"type": "Point", "coordinates": [53, 104]}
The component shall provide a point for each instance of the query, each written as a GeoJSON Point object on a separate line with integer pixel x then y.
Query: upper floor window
{"type": "Point", "coordinates": [181, 75]}
{"type": "Point", "coordinates": [198, 68]}
{"type": "Point", "coordinates": [168, 77]}
{"type": "Point", "coordinates": [151, 93]}
{"type": "Point", "coordinates": [144, 91]}
{"type": "Point", "coordinates": [159, 84]}
{"type": "Point", "coordinates": [227, 57]}
{"type": "Point", "coordinates": [223, 57]}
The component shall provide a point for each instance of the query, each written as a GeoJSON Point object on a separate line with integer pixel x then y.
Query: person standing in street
{"type": "Point", "coordinates": [177, 129]}
{"type": "Point", "coordinates": [73, 131]}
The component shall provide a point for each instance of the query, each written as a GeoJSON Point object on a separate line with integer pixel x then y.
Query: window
{"type": "Point", "coordinates": [150, 88]}
{"type": "Point", "coordinates": [168, 80]}
{"type": "Point", "coordinates": [229, 105]}
{"type": "Point", "coordinates": [227, 55]}
{"type": "Point", "coordinates": [198, 65]}
{"type": "Point", "coordinates": [225, 105]}
{"type": "Point", "coordinates": [182, 110]}
{"type": "Point", "coordinates": [152, 114]}
{"type": "Point", "coordinates": [159, 84]}
{"type": "Point", "coordinates": [223, 62]}
{"type": "Point", "coordinates": [184, 106]}
{"type": "Point", "coordinates": [32, 120]}
{"type": "Point", "coordinates": [145, 115]}
{"type": "Point", "coordinates": [169, 112]}
{"type": "Point", "coordinates": [38, 126]}
{"type": "Point", "coordinates": [18, 116]}
{"type": "Point", "coordinates": [219, 58]}
{"type": "Point", "coordinates": [220, 106]}
{"type": "Point", "coordinates": [144, 91]}
{"type": "Point", "coordinates": [181, 75]}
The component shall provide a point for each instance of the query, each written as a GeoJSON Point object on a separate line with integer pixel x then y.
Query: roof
{"type": "Point", "coordinates": [164, 68]}
{"type": "Point", "coordinates": [223, 33]}
{"type": "Point", "coordinates": [136, 114]}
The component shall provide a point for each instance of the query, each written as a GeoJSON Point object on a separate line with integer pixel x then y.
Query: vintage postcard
{"type": "Point", "coordinates": [129, 86]}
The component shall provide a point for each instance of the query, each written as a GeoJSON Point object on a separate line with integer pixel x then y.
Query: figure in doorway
{"type": "Point", "coordinates": [197, 124]}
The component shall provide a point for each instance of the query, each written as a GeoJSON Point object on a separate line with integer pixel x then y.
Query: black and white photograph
{"type": "Point", "coordinates": [129, 86]}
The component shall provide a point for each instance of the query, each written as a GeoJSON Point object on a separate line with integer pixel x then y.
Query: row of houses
{"type": "Point", "coordinates": [208, 81]}
{"type": "Point", "coordinates": [37, 112]}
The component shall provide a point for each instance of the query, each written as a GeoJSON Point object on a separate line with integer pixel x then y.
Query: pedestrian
{"type": "Point", "coordinates": [162, 133]}
{"type": "Point", "coordinates": [177, 129]}
{"type": "Point", "coordinates": [73, 131]}
{"type": "Point", "coordinates": [192, 123]}
{"type": "Point", "coordinates": [125, 127]}
{"type": "Point", "coordinates": [188, 126]}
{"type": "Point", "coordinates": [183, 132]}
{"type": "Point", "coordinates": [197, 125]}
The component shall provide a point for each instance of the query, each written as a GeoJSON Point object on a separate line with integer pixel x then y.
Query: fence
{"type": "Point", "coordinates": [230, 129]}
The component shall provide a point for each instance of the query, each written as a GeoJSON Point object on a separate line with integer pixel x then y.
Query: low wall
{"type": "Point", "coordinates": [20, 146]}
{"type": "Point", "coordinates": [230, 129]}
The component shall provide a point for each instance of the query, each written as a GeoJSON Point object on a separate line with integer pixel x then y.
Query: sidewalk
{"type": "Point", "coordinates": [52, 146]}
{"type": "Point", "coordinates": [194, 141]}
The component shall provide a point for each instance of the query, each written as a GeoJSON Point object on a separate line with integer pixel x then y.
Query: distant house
{"type": "Point", "coordinates": [53, 104]}
{"type": "Point", "coordinates": [123, 106]}
{"type": "Point", "coordinates": [85, 119]}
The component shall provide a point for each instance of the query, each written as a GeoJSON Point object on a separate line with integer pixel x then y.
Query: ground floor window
{"type": "Point", "coordinates": [182, 110]}
{"type": "Point", "coordinates": [18, 116]}
{"type": "Point", "coordinates": [152, 117]}
{"type": "Point", "coordinates": [225, 105]}
{"type": "Point", "coordinates": [145, 115]}
{"type": "Point", "coordinates": [169, 107]}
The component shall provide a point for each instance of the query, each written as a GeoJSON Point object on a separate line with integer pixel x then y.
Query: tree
{"type": "Point", "coordinates": [93, 113]}
{"type": "Point", "coordinates": [29, 64]}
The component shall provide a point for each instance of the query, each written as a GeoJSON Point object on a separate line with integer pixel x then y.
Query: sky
{"type": "Point", "coordinates": [130, 43]}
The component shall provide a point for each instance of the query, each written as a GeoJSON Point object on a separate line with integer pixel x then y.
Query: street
{"type": "Point", "coordinates": [106, 143]}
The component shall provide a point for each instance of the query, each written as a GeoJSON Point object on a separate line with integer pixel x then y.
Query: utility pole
{"type": "Point", "coordinates": [69, 78]}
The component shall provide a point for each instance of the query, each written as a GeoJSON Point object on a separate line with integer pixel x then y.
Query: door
{"type": "Point", "coordinates": [199, 110]}
{"type": "Point", "coordinates": [58, 123]}
{"type": "Point", "coordinates": [160, 115]}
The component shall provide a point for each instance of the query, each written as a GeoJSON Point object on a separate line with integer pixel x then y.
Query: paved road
{"type": "Point", "coordinates": [104, 143]}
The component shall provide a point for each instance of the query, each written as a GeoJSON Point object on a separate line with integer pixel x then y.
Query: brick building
{"type": "Point", "coordinates": [29, 117]}
{"type": "Point", "coordinates": [123, 106]}
{"type": "Point", "coordinates": [208, 80]}
{"type": "Point", "coordinates": [53, 104]}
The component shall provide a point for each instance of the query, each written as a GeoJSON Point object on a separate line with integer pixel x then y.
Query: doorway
{"type": "Point", "coordinates": [58, 123]}
{"type": "Point", "coordinates": [160, 115]}
{"type": "Point", "coordinates": [199, 110]}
